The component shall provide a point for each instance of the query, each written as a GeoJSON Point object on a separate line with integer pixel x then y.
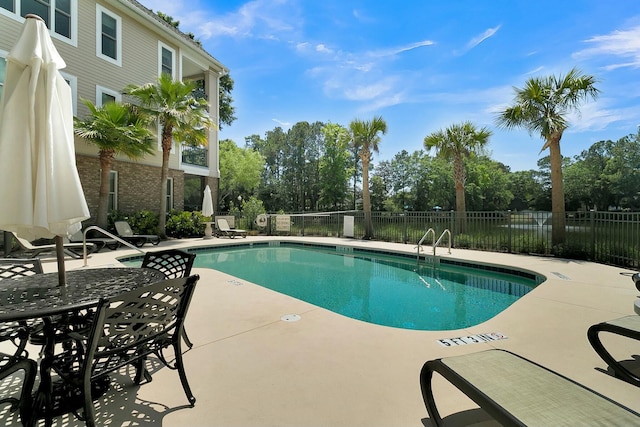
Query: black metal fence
{"type": "Point", "coordinates": [604, 237]}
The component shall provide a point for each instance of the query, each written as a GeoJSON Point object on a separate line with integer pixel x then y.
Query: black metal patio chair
{"type": "Point", "coordinates": [10, 268]}
{"type": "Point", "coordinates": [174, 264]}
{"type": "Point", "coordinates": [126, 329]}
{"type": "Point", "coordinates": [18, 334]}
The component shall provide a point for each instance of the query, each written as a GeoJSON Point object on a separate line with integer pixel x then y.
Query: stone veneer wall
{"type": "Point", "coordinates": [138, 185]}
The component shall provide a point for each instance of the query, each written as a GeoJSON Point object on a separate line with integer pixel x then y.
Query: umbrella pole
{"type": "Point", "coordinates": [62, 274]}
{"type": "Point", "coordinates": [7, 243]}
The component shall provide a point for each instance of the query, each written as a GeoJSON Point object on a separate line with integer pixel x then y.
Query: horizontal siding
{"type": "Point", "coordinates": [9, 34]}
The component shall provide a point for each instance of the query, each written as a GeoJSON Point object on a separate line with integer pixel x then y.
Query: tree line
{"type": "Point", "coordinates": [318, 166]}
{"type": "Point", "coordinates": [604, 176]}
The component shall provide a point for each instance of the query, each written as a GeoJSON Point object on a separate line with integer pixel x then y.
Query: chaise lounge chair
{"type": "Point", "coordinates": [627, 326]}
{"type": "Point", "coordinates": [74, 250]}
{"type": "Point", "coordinates": [101, 243]}
{"type": "Point", "coordinates": [223, 228]}
{"type": "Point", "coordinates": [126, 233]}
{"type": "Point", "coordinates": [518, 392]}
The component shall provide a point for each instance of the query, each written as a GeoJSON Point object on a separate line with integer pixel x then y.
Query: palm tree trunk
{"type": "Point", "coordinates": [366, 200]}
{"type": "Point", "coordinates": [167, 132]}
{"type": "Point", "coordinates": [558, 221]}
{"type": "Point", "coordinates": [459, 177]}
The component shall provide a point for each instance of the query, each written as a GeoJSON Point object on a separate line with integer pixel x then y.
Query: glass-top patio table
{"type": "Point", "coordinates": [39, 297]}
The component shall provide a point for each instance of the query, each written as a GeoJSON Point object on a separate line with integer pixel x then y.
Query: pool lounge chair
{"type": "Point", "coordinates": [126, 233]}
{"type": "Point", "coordinates": [223, 228]}
{"type": "Point", "coordinates": [518, 392]}
{"type": "Point", "coordinates": [100, 242]}
{"type": "Point", "coordinates": [74, 250]}
{"type": "Point", "coordinates": [627, 326]}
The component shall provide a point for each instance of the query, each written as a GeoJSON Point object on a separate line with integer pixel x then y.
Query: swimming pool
{"type": "Point", "coordinates": [375, 286]}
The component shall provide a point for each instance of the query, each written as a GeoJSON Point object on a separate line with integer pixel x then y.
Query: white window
{"type": "Point", "coordinates": [169, 194]}
{"type": "Point", "coordinates": [108, 36]}
{"type": "Point", "coordinates": [113, 191]}
{"type": "Point", "coordinates": [73, 82]}
{"type": "Point", "coordinates": [104, 95]}
{"type": "Point", "coordinates": [166, 60]}
{"type": "Point", "coordinates": [61, 16]}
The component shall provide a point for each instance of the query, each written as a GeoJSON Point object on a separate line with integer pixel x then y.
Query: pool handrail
{"type": "Point", "coordinates": [434, 242]}
{"type": "Point", "coordinates": [106, 233]}
{"type": "Point", "coordinates": [435, 245]}
{"type": "Point", "coordinates": [432, 231]}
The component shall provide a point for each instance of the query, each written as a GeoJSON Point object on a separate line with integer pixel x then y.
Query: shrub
{"type": "Point", "coordinates": [251, 209]}
{"type": "Point", "coordinates": [141, 222]}
{"type": "Point", "coordinates": [185, 224]}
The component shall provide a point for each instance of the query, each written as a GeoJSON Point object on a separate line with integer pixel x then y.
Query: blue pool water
{"type": "Point", "coordinates": [376, 288]}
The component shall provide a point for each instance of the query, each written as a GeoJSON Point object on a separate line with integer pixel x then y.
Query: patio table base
{"type": "Point", "coordinates": [67, 398]}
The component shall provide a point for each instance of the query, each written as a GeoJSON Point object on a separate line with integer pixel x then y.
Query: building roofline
{"type": "Point", "coordinates": [151, 17]}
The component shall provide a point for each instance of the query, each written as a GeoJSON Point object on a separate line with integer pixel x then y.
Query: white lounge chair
{"type": "Point", "coordinates": [126, 233]}
{"type": "Point", "coordinates": [223, 228]}
{"type": "Point", "coordinates": [72, 249]}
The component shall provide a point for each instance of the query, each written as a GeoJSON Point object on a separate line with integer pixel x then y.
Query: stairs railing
{"type": "Point", "coordinates": [106, 233]}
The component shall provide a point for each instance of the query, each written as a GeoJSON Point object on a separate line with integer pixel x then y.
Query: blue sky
{"type": "Point", "coordinates": [422, 65]}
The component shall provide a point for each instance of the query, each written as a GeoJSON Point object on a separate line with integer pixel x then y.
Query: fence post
{"type": "Point", "coordinates": [404, 233]}
{"type": "Point", "coordinates": [452, 219]}
{"type": "Point", "coordinates": [592, 218]}
{"type": "Point", "coordinates": [509, 231]}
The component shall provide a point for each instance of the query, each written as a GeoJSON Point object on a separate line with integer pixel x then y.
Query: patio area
{"type": "Point", "coordinates": [250, 368]}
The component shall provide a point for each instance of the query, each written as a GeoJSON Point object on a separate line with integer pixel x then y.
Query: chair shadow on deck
{"type": "Point", "coordinates": [631, 365]}
{"type": "Point", "coordinates": [119, 406]}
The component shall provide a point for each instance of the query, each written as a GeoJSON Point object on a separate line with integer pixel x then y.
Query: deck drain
{"type": "Point", "coordinates": [290, 318]}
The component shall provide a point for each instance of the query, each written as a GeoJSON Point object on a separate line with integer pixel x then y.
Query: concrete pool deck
{"type": "Point", "coordinates": [250, 368]}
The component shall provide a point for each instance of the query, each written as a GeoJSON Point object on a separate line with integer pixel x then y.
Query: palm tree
{"type": "Point", "coordinates": [182, 117]}
{"type": "Point", "coordinates": [458, 142]}
{"type": "Point", "coordinates": [365, 137]}
{"type": "Point", "coordinates": [116, 129]}
{"type": "Point", "coordinates": [542, 107]}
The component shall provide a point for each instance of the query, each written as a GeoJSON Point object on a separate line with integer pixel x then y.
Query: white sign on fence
{"type": "Point", "coordinates": [283, 223]}
{"type": "Point", "coordinates": [348, 226]}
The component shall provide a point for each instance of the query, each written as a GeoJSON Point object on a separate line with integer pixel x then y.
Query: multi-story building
{"type": "Point", "coordinates": [108, 44]}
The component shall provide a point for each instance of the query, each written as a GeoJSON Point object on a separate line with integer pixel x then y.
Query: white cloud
{"type": "Point", "coordinates": [399, 49]}
{"type": "Point", "coordinates": [384, 101]}
{"type": "Point", "coordinates": [534, 71]}
{"type": "Point", "coordinates": [323, 49]}
{"type": "Point", "coordinates": [621, 43]}
{"type": "Point", "coordinates": [266, 19]}
{"type": "Point", "coordinates": [597, 116]}
{"type": "Point", "coordinates": [490, 32]}
{"type": "Point", "coordinates": [360, 16]}
{"type": "Point", "coordinates": [370, 91]}
{"type": "Point", "coordinates": [285, 125]}
{"type": "Point", "coordinates": [302, 46]}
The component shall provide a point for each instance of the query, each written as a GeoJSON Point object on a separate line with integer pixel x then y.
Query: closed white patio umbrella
{"type": "Point", "coordinates": [207, 202]}
{"type": "Point", "coordinates": [207, 210]}
{"type": "Point", "coordinates": [40, 188]}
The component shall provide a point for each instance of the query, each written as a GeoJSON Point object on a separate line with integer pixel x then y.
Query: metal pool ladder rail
{"type": "Point", "coordinates": [434, 242]}
{"type": "Point", "coordinates": [106, 233]}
